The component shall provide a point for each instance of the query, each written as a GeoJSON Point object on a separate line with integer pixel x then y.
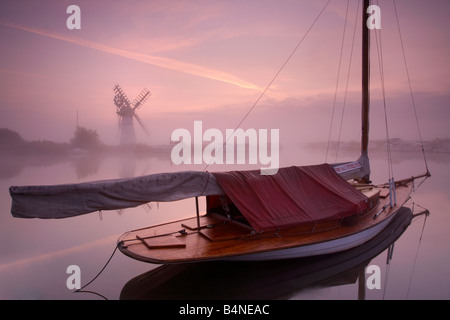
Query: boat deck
{"type": "Point", "coordinates": [219, 238]}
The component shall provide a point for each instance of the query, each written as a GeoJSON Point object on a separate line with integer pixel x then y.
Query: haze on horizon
{"type": "Point", "coordinates": [210, 60]}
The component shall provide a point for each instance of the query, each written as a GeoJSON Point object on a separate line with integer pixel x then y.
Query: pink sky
{"type": "Point", "coordinates": [210, 60]}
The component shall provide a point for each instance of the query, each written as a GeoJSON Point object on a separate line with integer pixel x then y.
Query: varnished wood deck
{"type": "Point", "coordinates": [218, 238]}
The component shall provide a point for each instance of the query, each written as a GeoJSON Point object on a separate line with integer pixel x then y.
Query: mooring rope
{"type": "Point", "coordinates": [98, 274]}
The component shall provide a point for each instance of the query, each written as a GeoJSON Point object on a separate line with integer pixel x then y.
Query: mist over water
{"type": "Point", "coordinates": [36, 253]}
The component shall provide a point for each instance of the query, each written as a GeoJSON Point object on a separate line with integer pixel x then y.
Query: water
{"type": "Point", "coordinates": [35, 254]}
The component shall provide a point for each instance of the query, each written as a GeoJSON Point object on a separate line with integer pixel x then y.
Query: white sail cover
{"type": "Point", "coordinates": [68, 200]}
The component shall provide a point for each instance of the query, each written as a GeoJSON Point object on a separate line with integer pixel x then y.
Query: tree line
{"type": "Point", "coordinates": [12, 142]}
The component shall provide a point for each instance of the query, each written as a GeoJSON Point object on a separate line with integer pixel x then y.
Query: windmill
{"type": "Point", "coordinates": [126, 112]}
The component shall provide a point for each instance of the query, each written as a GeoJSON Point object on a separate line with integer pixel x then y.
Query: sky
{"type": "Point", "coordinates": [211, 61]}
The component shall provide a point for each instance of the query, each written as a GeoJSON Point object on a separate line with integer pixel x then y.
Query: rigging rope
{"type": "Point", "coordinates": [274, 77]}
{"type": "Point", "coordinates": [410, 86]}
{"type": "Point", "coordinates": [390, 252]}
{"type": "Point", "coordinates": [348, 78]}
{"type": "Point", "coordinates": [337, 81]}
{"type": "Point", "coordinates": [417, 251]}
{"type": "Point", "coordinates": [383, 90]}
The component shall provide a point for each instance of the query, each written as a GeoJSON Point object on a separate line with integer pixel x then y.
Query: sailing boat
{"type": "Point", "coordinates": [297, 212]}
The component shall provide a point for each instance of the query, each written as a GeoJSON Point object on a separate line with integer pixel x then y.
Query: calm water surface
{"type": "Point", "coordinates": [35, 254]}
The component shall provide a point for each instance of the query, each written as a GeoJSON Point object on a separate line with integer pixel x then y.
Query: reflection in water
{"type": "Point", "coordinates": [263, 280]}
{"type": "Point", "coordinates": [12, 165]}
{"type": "Point", "coordinates": [85, 165]}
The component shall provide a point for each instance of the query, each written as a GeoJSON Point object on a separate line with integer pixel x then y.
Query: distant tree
{"type": "Point", "coordinates": [10, 141]}
{"type": "Point", "coordinates": [85, 139]}
{"type": "Point", "coordinates": [9, 137]}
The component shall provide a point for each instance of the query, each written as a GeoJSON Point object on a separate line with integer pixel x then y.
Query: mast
{"type": "Point", "coordinates": [365, 86]}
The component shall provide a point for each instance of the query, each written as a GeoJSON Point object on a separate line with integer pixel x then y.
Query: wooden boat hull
{"type": "Point", "coordinates": [320, 248]}
{"type": "Point", "coordinates": [262, 280]}
{"type": "Point", "coordinates": [182, 242]}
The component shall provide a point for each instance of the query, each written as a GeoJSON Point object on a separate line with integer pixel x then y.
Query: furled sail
{"type": "Point", "coordinates": [68, 200]}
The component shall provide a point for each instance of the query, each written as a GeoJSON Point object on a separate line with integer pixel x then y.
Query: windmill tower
{"type": "Point", "coordinates": [126, 112]}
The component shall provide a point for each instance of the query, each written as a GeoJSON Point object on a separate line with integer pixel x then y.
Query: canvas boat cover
{"type": "Point", "coordinates": [293, 196]}
{"type": "Point", "coordinates": [68, 200]}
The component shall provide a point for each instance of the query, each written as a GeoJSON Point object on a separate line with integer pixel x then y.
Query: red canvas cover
{"type": "Point", "coordinates": [293, 196]}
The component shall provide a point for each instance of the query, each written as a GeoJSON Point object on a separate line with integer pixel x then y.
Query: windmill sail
{"type": "Point", "coordinates": [141, 123]}
{"type": "Point", "coordinates": [127, 112]}
{"type": "Point", "coordinates": [141, 98]}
